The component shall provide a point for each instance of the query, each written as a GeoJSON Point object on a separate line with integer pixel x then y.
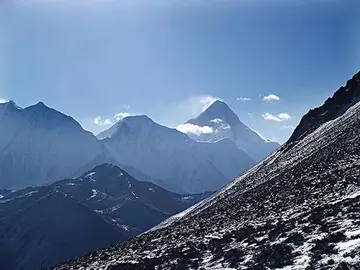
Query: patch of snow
{"type": "Point", "coordinates": [350, 234]}
{"type": "Point", "coordinates": [125, 227]}
{"type": "Point", "coordinates": [70, 184]}
{"type": "Point", "coordinates": [348, 245]}
{"type": "Point", "coordinates": [90, 174]}
{"type": "Point", "coordinates": [95, 192]}
{"type": "Point", "coordinates": [22, 196]}
{"type": "Point", "coordinates": [132, 192]}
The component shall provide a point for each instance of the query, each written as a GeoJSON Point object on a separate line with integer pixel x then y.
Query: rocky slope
{"type": "Point", "coordinates": [116, 196]}
{"type": "Point", "coordinates": [224, 123]}
{"type": "Point", "coordinates": [333, 107]}
{"type": "Point", "coordinates": [42, 227]}
{"type": "Point", "coordinates": [298, 209]}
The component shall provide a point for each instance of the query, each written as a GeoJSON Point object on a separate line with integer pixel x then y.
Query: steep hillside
{"type": "Point", "coordinates": [116, 196]}
{"type": "Point", "coordinates": [333, 107]}
{"type": "Point", "coordinates": [42, 227]}
{"type": "Point", "coordinates": [298, 209]}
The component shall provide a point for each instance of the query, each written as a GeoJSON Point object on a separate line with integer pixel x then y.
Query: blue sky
{"type": "Point", "coordinates": [168, 59]}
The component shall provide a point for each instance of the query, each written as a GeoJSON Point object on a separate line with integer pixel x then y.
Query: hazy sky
{"type": "Point", "coordinates": [101, 60]}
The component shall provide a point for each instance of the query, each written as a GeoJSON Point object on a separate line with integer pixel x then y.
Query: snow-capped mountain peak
{"type": "Point", "coordinates": [218, 110]}
{"type": "Point", "coordinates": [224, 123]}
{"type": "Point", "coordinates": [134, 123]}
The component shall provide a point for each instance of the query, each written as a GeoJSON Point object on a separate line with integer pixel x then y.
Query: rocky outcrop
{"type": "Point", "coordinates": [333, 107]}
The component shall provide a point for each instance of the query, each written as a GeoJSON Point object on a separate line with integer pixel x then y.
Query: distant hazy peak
{"type": "Point", "coordinates": [135, 122]}
{"type": "Point", "coordinates": [10, 105]}
{"type": "Point", "coordinates": [40, 106]}
{"type": "Point", "coordinates": [108, 167]}
{"type": "Point", "coordinates": [136, 125]}
{"type": "Point", "coordinates": [49, 117]}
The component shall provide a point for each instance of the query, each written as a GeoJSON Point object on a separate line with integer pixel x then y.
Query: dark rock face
{"type": "Point", "coordinates": [333, 107]}
{"type": "Point", "coordinates": [115, 195]}
{"type": "Point", "coordinates": [299, 208]}
{"type": "Point", "coordinates": [4, 192]}
{"type": "Point", "coordinates": [42, 226]}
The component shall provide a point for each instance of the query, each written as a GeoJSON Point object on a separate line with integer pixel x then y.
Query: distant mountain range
{"type": "Point", "coordinates": [183, 164]}
{"type": "Point", "coordinates": [39, 145]}
{"type": "Point", "coordinates": [297, 209]}
{"type": "Point", "coordinates": [46, 225]}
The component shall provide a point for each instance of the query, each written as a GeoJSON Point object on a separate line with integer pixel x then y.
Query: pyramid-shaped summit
{"type": "Point", "coordinates": [217, 110]}
{"type": "Point", "coordinates": [226, 124]}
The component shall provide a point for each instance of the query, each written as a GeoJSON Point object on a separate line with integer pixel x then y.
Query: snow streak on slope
{"type": "Point", "coordinates": [299, 209]}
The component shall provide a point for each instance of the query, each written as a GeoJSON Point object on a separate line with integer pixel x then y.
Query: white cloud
{"type": "Point", "coordinates": [120, 116]}
{"type": "Point", "coordinates": [271, 97]}
{"type": "Point", "coordinates": [206, 101]}
{"type": "Point", "coordinates": [195, 105]}
{"type": "Point", "coordinates": [194, 129]}
{"type": "Point", "coordinates": [221, 125]}
{"type": "Point", "coordinates": [110, 121]}
{"type": "Point", "coordinates": [243, 99]}
{"type": "Point", "coordinates": [278, 118]}
{"type": "Point", "coordinates": [3, 100]}
{"type": "Point", "coordinates": [284, 116]}
{"type": "Point", "coordinates": [216, 121]}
